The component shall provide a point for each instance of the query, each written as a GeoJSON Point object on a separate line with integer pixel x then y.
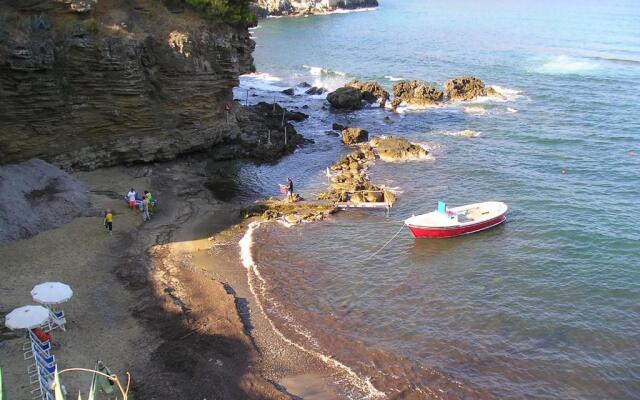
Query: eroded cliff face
{"type": "Point", "coordinates": [305, 7]}
{"type": "Point", "coordinates": [90, 83]}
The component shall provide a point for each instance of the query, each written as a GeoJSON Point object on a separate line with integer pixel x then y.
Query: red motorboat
{"type": "Point", "coordinates": [449, 222]}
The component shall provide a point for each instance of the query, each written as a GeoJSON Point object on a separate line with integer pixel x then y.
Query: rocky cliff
{"type": "Point", "coordinates": [306, 7]}
{"type": "Point", "coordinates": [89, 83]}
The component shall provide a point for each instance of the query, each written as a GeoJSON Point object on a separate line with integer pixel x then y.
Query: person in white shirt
{"type": "Point", "coordinates": [132, 199]}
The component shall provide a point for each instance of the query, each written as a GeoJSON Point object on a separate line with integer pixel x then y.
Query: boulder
{"type": "Point", "coordinates": [397, 149]}
{"type": "Point", "coordinates": [313, 90]}
{"type": "Point", "coordinates": [345, 99]}
{"type": "Point", "coordinates": [304, 85]}
{"type": "Point", "coordinates": [371, 91]}
{"type": "Point", "coordinates": [354, 135]}
{"type": "Point", "coordinates": [338, 127]}
{"type": "Point", "coordinates": [415, 93]}
{"type": "Point", "coordinates": [288, 92]}
{"type": "Point", "coordinates": [491, 92]}
{"type": "Point", "coordinates": [464, 88]}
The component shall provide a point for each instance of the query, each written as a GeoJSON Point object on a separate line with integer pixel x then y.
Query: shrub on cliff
{"type": "Point", "coordinates": [232, 11]}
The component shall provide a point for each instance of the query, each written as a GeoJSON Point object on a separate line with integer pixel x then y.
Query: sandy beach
{"type": "Point", "coordinates": [166, 300]}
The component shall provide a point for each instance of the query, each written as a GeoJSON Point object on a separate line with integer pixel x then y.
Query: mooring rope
{"type": "Point", "coordinates": [385, 245]}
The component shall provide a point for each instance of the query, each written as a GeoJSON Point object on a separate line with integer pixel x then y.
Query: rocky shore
{"type": "Point", "coordinates": [265, 8]}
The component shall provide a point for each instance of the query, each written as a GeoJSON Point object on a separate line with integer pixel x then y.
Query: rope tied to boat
{"type": "Point", "coordinates": [385, 245]}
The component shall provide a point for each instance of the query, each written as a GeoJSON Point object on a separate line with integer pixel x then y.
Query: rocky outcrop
{"type": "Point", "coordinates": [345, 98]}
{"type": "Point", "coordinates": [308, 7]}
{"type": "Point", "coordinates": [393, 148]}
{"type": "Point", "coordinates": [349, 181]}
{"type": "Point", "coordinates": [117, 84]}
{"type": "Point", "coordinates": [371, 91]}
{"type": "Point", "coordinates": [36, 196]}
{"type": "Point", "coordinates": [415, 93]}
{"type": "Point", "coordinates": [262, 128]}
{"type": "Point", "coordinates": [466, 88]}
{"type": "Point", "coordinates": [354, 135]}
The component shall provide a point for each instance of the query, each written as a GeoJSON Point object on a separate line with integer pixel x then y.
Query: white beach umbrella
{"type": "Point", "coordinates": [51, 293]}
{"type": "Point", "coordinates": [26, 317]}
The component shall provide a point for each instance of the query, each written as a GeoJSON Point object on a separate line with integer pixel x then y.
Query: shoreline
{"type": "Point", "coordinates": [165, 304]}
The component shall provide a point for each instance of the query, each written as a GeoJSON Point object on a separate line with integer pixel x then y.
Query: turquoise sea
{"type": "Point", "coordinates": [545, 306]}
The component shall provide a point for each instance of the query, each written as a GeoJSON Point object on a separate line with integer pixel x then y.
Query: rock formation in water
{"type": "Point", "coordinates": [371, 91]}
{"type": "Point", "coordinates": [308, 7]}
{"type": "Point", "coordinates": [345, 98]}
{"type": "Point", "coordinates": [354, 135]}
{"type": "Point", "coordinates": [466, 88]}
{"type": "Point", "coordinates": [90, 83]}
{"type": "Point", "coordinates": [415, 93]}
{"type": "Point", "coordinates": [393, 148]}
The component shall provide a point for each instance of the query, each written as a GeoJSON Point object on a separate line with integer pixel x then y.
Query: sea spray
{"type": "Point", "coordinates": [257, 284]}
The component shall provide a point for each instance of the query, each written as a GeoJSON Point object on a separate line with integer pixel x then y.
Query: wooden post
{"type": "Point", "coordinates": [283, 113]}
{"type": "Point", "coordinates": [274, 103]}
{"type": "Point", "coordinates": [269, 137]}
{"type": "Point", "coordinates": [285, 135]}
{"type": "Point", "coordinates": [246, 99]}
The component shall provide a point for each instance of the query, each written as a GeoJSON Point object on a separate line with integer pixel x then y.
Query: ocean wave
{"type": "Point", "coordinates": [479, 110]}
{"type": "Point", "coordinates": [511, 110]}
{"type": "Point", "coordinates": [566, 65]}
{"type": "Point", "coordinates": [348, 11]}
{"type": "Point", "coordinates": [258, 284]}
{"type": "Point", "coordinates": [393, 78]}
{"type": "Point", "coordinates": [317, 71]}
{"type": "Point", "coordinates": [261, 81]}
{"type": "Point", "coordinates": [464, 133]}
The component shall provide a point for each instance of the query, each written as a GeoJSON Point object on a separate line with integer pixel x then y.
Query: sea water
{"type": "Point", "coordinates": [545, 306]}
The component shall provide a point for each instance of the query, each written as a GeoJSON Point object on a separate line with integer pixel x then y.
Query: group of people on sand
{"type": "Point", "coordinates": [146, 208]}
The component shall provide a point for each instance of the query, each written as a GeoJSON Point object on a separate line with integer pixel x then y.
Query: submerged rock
{"type": "Point", "coordinates": [314, 90]}
{"type": "Point", "coordinates": [465, 88]}
{"type": "Point", "coordinates": [394, 148]}
{"type": "Point", "coordinates": [288, 92]}
{"type": "Point", "coordinates": [345, 99]}
{"type": "Point", "coordinates": [371, 91]}
{"type": "Point", "coordinates": [338, 127]}
{"type": "Point", "coordinates": [415, 93]}
{"type": "Point", "coordinates": [354, 135]}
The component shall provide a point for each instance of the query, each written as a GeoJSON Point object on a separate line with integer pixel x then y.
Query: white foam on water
{"type": "Point", "coordinates": [253, 28]}
{"type": "Point", "coordinates": [317, 71]}
{"type": "Point", "coordinates": [566, 65]}
{"type": "Point", "coordinates": [261, 81]}
{"type": "Point", "coordinates": [464, 133]}
{"type": "Point", "coordinates": [393, 78]}
{"type": "Point", "coordinates": [344, 11]}
{"type": "Point", "coordinates": [511, 110]}
{"type": "Point", "coordinates": [475, 110]}
{"type": "Point", "coordinates": [257, 283]}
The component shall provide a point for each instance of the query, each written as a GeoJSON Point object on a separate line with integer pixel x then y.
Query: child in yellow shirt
{"type": "Point", "coordinates": [108, 221]}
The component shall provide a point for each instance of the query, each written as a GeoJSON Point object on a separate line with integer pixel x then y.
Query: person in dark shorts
{"type": "Point", "coordinates": [289, 189]}
{"type": "Point", "coordinates": [108, 221]}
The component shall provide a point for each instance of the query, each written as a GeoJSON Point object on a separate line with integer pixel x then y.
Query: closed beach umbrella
{"type": "Point", "coordinates": [51, 293]}
{"type": "Point", "coordinates": [26, 317]}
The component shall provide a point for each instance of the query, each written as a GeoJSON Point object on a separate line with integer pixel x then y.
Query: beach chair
{"type": "Point", "coordinates": [43, 390]}
{"type": "Point", "coordinates": [44, 364]}
{"type": "Point", "coordinates": [36, 346]}
{"type": "Point", "coordinates": [56, 320]}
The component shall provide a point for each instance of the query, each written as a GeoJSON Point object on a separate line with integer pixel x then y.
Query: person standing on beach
{"type": "Point", "coordinates": [145, 209]}
{"type": "Point", "coordinates": [289, 189]}
{"type": "Point", "coordinates": [131, 196]}
{"type": "Point", "coordinates": [108, 221]}
{"type": "Point", "coordinates": [149, 197]}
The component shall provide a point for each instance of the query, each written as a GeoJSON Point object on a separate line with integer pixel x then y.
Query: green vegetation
{"type": "Point", "coordinates": [91, 25]}
{"type": "Point", "coordinates": [233, 11]}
